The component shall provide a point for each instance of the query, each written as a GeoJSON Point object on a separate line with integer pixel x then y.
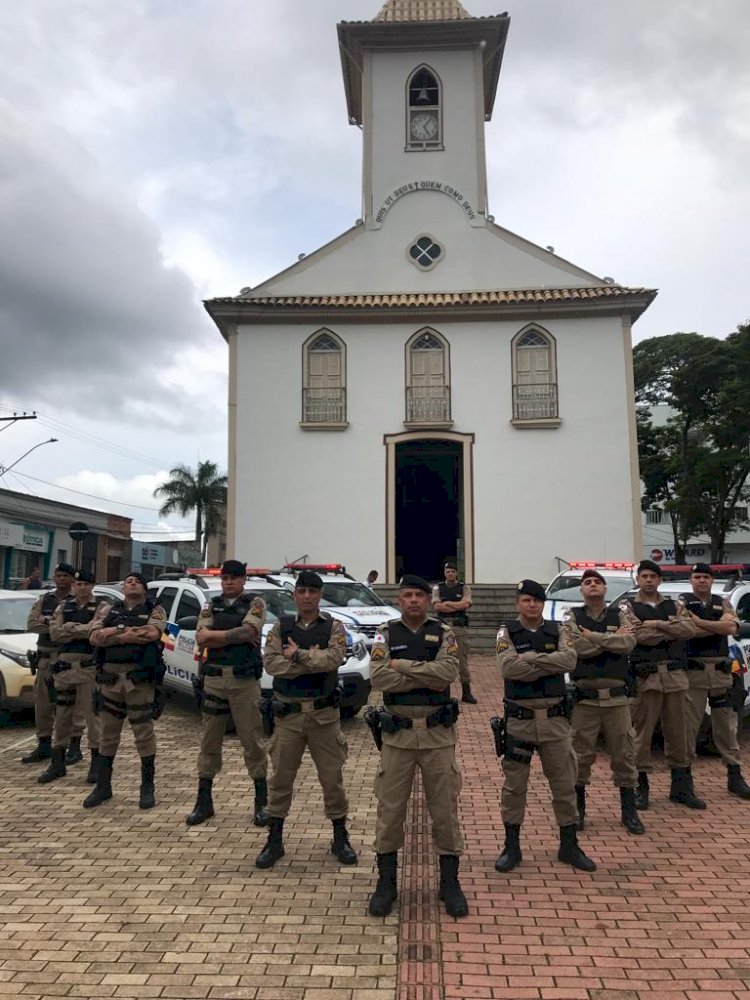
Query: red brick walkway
{"type": "Point", "coordinates": [666, 913]}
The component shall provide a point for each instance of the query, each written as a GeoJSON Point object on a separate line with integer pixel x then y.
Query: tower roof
{"type": "Point", "coordinates": [422, 10]}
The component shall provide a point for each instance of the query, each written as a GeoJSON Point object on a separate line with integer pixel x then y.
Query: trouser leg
{"type": "Point", "coordinates": [393, 784]}
{"type": "Point", "coordinates": [215, 712]}
{"type": "Point", "coordinates": [724, 726]}
{"type": "Point", "coordinates": [44, 707]}
{"type": "Point", "coordinates": [111, 717]}
{"type": "Point", "coordinates": [585, 725]}
{"type": "Point", "coordinates": [243, 701]}
{"type": "Point", "coordinates": [85, 701]}
{"type": "Point", "coordinates": [646, 712]}
{"type": "Point", "coordinates": [81, 714]}
{"type": "Point", "coordinates": [462, 641]}
{"type": "Point", "coordinates": [560, 769]}
{"type": "Point", "coordinates": [66, 702]}
{"type": "Point", "coordinates": [695, 709]}
{"type": "Point", "coordinates": [140, 703]}
{"type": "Point", "coordinates": [286, 748]}
{"type": "Point", "coordinates": [515, 784]}
{"type": "Point", "coordinates": [328, 749]}
{"type": "Point", "coordinates": [673, 724]}
{"type": "Point", "coordinates": [619, 740]}
{"type": "Point", "coordinates": [441, 780]}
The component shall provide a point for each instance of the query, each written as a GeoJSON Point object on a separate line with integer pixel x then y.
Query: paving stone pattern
{"type": "Point", "coordinates": [116, 902]}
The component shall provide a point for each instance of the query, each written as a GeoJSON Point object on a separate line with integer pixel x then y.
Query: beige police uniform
{"type": "Point", "coordinates": [549, 736]}
{"type": "Point", "coordinates": [606, 713]}
{"type": "Point", "coordinates": [431, 750]}
{"type": "Point", "coordinates": [74, 674]}
{"type": "Point", "coordinates": [315, 729]}
{"type": "Point", "coordinates": [122, 698]}
{"type": "Point", "coordinates": [460, 632]}
{"type": "Point", "coordinates": [707, 682]}
{"type": "Point", "coordinates": [225, 692]}
{"type": "Point", "coordinates": [662, 692]}
{"type": "Point", "coordinates": [40, 621]}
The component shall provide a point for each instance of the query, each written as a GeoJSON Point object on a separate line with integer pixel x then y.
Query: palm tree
{"type": "Point", "coordinates": [204, 491]}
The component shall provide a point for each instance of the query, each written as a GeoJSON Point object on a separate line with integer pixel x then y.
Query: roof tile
{"type": "Point", "coordinates": [422, 10]}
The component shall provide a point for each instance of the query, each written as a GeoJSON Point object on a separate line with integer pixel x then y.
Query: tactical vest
{"type": "Point", "coordinates": [241, 654]}
{"type": "Point", "coordinates": [454, 593]}
{"type": "Point", "coordinates": [73, 612]}
{"type": "Point", "coordinates": [147, 655]}
{"type": "Point", "coordinates": [604, 664]}
{"type": "Point", "coordinates": [711, 645]}
{"type": "Point", "coordinates": [543, 640]}
{"type": "Point", "coordinates": [424, 644]}
{"type": "Point", "coordinates": [49, 605]}
{"type": "Point", "coordinates": [318, 685]}
{"type": "Point", "coordinates": [666, 649]}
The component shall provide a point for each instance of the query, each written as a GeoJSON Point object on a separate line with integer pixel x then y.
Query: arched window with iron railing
{"type": "Point", "coordinates": [534, 365]}
{"type": "Point", "coordinates": [324, 379]}
{"type": "Point", "coordinates": [428, 392]}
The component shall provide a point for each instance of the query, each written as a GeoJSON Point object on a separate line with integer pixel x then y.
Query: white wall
{"type": "Point", "coordinates": [538, 493]}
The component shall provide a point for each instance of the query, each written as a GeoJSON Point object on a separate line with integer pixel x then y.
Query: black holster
{"type": "Point", "coordinates": [372, 720]}
{"type": "Point", "coordinates": [265, 706]}
{"type": "Point", "coordinates": [160, 702]}
{"type": "Point", "coordinates": [33, 657]}
{"type": "Point", "coordinates": [198, 684]}
{"type": "Point", "coordinates": [499, 734]}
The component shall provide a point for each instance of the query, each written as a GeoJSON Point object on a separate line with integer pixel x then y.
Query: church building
{"type": "Point", "coordinates": [428, 384]}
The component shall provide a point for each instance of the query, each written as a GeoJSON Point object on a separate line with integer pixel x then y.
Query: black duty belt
{"type": "Point", "coordinates": [513, 711]}
{"type": "Point", "coordinates": [209, 670]}
{"type": "Point", "coordinates": [723, 666]}
{"type": "Point", "coordinates": [596, 694]}
{"type": "Point", "coordinates": [444, 716]}
{"type": "Point", "coordinates": [644, 668]}
{"type": "Point", "coordinates": [284, 708]}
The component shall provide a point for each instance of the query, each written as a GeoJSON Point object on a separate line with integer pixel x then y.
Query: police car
{"type": "Point", "coordinates": [16, 681]}
{"type": "Point", "coordinates": [343, 597]}
{"type": "Point", "coordinates": [564, 592]}
{"type": "Point", "coordinates": [183, 601]}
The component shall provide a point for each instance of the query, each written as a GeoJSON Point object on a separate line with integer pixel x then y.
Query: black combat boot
{"type": "Point", "coordinates": [56, 767]}
{"type": "Point", "coordinates": [91, 776]}
{"type": "Point", "coordinates": [736, 784]}
{"type": "Point", "coordinates": [630, 818]}
{"type": "Point", "coordinates": [74, 755]}
{"type": "Point", "coordinates": [260, 816]}
{"type": "Point", "coordinates": [147, 799]}
{"type": "Point", "coordinates": [204, 804]}
{"type": "Point", "coordinates": [451, 892]}
{"type": "Point", "coordinates": [581, 801]}
{"type": "Point", "coordinates": [641, 792]}
{"type": "Point", "coordinates": [681, 790]}
{"type": "Point", "coordinates": [274, 848]}
{"type": "Point", "coordinates": [570, 852]}
{"type": "Point", "coordinates": [386, 891]}
{"type": "Point", "coordinates": [340, 845]}
{"type": "Point", "coordinates": [466, 695]}
{"type": "Point", "coordinates": [511, 856]}
{"type": "Point", "coordinates": [42, 751]}
{"type": "Point", "coordinates": [103, 790]}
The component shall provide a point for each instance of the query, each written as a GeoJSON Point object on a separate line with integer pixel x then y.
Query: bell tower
{"type": "Point", "coordinates": [420, 81]}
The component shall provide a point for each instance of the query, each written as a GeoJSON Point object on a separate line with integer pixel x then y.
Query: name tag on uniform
{"type": "Point", "coordinates": [549, 645]}
{"type": "Point", "coordinates": [432, 638]}
{"type": "Point", "coordinates": [395, 649]}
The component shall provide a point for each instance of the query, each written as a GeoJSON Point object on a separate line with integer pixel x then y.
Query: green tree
{"type": "Point", "coordinates": [204, 491]}
{"type": "Point", "coordinates": [697, 464]}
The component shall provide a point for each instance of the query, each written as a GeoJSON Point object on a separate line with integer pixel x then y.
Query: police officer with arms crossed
{"type": "Point", "coordinates": [658, 660]}
{"type": "Point", "coordinates": [39, 621]}
{"type": "Point", "coordinates": [129, 633]}
{"type": "Point", "coordinates": [534, 656]}
{"type": "Point", "coordinates": [229, 634]}
{"type": "Point", "coordinates": [413, 662]}
{"type": "Point", "coordinates": [709, 674]}
{"type": "Point", "coordinates": [74, 674]}
{"type": "Point", "coordinates": [602, 638]}
{"type": "Point", "coordinates": [452, 599]}
{"type": "Point", "coordinates": [303, 656]}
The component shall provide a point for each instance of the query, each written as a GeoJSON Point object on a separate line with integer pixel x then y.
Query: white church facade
{"type": "Point", "coordinates": [430, 385]}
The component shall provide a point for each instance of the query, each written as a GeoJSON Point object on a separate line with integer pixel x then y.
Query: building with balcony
{"type": "Point", "coordinates": [452, 376]}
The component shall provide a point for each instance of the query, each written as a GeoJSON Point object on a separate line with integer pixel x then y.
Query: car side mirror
{"type": "Point", "coordinates": [744, 632]}
{"type": "Point", "coordinates": [190, 623]}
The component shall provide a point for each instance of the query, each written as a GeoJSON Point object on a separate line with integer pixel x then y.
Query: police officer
{"type": "Point", "coordinates": [658, 660]}
{"type": "Point", "coordinates": [534, 656]}
{"type": "Point", "coordinates": [602, 638]}
{"type": "Point", "coordinates": [452, 599]}
{"type": "Point", "coordinates": [413, 662]}
{"type": "Point", "coordinates": [303, 655]}
{"type": "Point", "coordinates": [229, 634]}
{"type": "Point", "coordinates": [74, 674]}
{"type": "Point", "coordinates": [129, 635]}
{"type": "Point", "coordinates": [39, 621]}
{"type": "Point", "coordinates": [710, 676]}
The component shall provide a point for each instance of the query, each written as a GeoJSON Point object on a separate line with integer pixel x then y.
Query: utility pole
{"type": "Point", "coordinates": [17, 416]}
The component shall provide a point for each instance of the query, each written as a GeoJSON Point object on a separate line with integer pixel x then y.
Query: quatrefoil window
{"type": "Point", "coordinates": [425, 252]}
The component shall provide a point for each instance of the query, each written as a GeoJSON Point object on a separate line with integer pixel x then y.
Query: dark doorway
{"type": "Point", "coordinates": [429, 506]}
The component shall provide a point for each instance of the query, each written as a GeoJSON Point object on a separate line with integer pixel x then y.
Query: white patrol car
{"type": "Point", "coordinates": [183, 601]}
{"type": "Point", "coordinates": [564, 592]}
{"type": "Point", "coordinates": [343, 597]}
{"type": "Point", "coordinates": [16, 681]}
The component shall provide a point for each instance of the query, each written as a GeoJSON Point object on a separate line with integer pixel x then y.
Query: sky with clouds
{"type": "Point", "coordinates": [157, 153]}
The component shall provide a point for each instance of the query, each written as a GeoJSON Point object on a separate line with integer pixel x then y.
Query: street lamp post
{"type": "Point", "coordinates": [7, 468]}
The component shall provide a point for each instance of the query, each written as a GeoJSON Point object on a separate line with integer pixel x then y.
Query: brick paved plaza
{"type": "Point", "coordinates": [115, 902]}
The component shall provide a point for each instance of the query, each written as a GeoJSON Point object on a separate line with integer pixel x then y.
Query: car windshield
{"type": "Point", "coordinates": [278, 602]}
{"type": "Point", "coordinates": [14, 612]}
{"type": "Point", "coordinates": [568, 587]}
{"type": "Point", "coordinates": [349, 594]}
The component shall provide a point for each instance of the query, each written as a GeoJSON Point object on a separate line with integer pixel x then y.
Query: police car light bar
{"type": "Point", "coordinates": [316, 567]}
{"type": "Point", "coordinates": [601, 565]}
{"type": "Point", "coordinates": [216, 571]}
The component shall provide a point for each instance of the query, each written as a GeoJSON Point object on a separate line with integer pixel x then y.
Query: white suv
{"type": "Point", "coordinates": [16, 680]}
{"type": "Point", "coordinates": [183, 601]}
{"type": "Point", "coordinates": [564, 592]}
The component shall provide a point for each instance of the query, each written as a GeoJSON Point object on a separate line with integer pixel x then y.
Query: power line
{"type": "Point", "coordinates": [91, 496]}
